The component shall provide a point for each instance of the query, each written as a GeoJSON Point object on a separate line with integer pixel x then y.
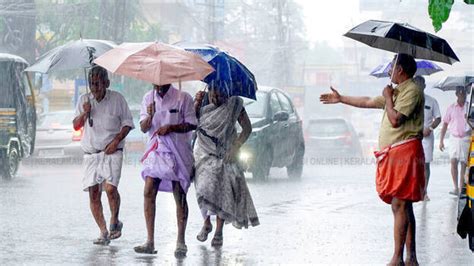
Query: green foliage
{"type": "Point", "coordinates": [61, 21]}
{"type": "Point", "coordinates": [439, 12]}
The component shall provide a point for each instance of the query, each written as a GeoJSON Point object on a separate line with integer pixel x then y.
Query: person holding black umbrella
{"type": "Point", "coordinates": [432, 119]}
{"type": "Point", "coordinates": [400, 178]}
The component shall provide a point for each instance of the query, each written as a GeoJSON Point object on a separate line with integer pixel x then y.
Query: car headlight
{"type": "Point", "coordinates": [245, 156]}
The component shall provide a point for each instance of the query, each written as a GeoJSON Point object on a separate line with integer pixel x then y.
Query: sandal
{"type": "Point", "coordinates": [103, 239]}
{"type": "Point", "coordinates": [202, 236]}
{"type": "Point", "coordinates": [217, 241]}
{"type": "Point", "coordinates": [145, 249]}
{"type": "Point", "coordinates": [454, 192]}
{"type": "Point", "coordinates": [181, 250]}
{"type": "Point", "coordinates": [116, 230]}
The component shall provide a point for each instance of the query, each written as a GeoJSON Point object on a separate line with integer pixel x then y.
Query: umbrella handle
{"type": "Point", "coordinates": [91, 122]}
{"type": "Point", "coordinates": [393, 68]}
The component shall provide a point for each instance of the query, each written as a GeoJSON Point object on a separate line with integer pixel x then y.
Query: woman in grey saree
{"type": "Point", "coordinates": [221, 188]}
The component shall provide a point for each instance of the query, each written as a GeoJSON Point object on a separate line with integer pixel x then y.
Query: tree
{"type": "Point", "coordinates": [66, 20]}
{"type": "Point", "coordinates": [439, 11]}
{"type": "Point", "coordinates": [272, 33]}
{"type": "Point", "coordinates": [17, 27]}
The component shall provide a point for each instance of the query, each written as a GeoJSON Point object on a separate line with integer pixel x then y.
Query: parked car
{"type": "Point", "coordinates": [332, 138]}
{"type": "Point", "coordinates": [17, 114]}
{"type": "Point", "coordinates": [57, 139]}
{"type": "Point", "coordinates": [277, 135]}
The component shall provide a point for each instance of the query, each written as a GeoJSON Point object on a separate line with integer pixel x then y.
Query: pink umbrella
{"type": "Point", "coordinates": [155, 62]}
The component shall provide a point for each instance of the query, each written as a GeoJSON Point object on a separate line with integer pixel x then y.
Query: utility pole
{"type": "Point", "coordinates": [282, 58]}
{"type": "Point", "coordinates": [211, 18]}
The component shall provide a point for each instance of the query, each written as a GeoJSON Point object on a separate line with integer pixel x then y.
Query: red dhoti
{"type": "Point", "coordinates": [401, 171]}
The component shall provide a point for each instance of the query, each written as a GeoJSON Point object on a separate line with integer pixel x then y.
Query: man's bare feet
{"type": "Point", "coordinates": [396, 262]}
{"type": "Point", "coordinates": [411, 261]}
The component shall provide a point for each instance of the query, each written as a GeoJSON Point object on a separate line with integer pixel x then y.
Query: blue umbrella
{"type": "Point", "coordinates": [423, 68]}
{"type": "Point", "coordinates": [231, 76]}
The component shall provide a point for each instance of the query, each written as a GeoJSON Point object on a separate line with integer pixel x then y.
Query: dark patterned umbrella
{"type": "Point", "coordinates": [403, 38]}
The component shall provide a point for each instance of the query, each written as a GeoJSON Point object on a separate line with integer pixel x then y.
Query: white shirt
{"type": "Point", "coordinates": [431, 110]}
{"type": "Point", "coordinates": [176, 107]}
{"type": "Point", "coordinates": [109, 117]}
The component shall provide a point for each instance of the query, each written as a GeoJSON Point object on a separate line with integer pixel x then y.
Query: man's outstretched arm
{"type": "Point", "coordinates": [360, 102]}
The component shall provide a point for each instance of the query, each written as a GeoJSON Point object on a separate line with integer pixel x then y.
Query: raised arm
{"type": "Point", "coordinates": [395, 117]}
{"type": "Point", "coordinates": [80, 119]}
{"type": "Point", "coordinates": [360, 102]}
{"type": "Point", "coordinates": [198, 102]}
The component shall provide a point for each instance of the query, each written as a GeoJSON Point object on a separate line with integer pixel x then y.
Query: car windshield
{"type": "Point", "coordinates": [57, 119]}
{"type": "Point", "coordinates": [327, 128]}
{"type": "Point", "coordinates": [256, 108]}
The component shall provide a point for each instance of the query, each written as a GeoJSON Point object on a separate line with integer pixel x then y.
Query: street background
{"type": "Point", "coordinates": [331, 216]}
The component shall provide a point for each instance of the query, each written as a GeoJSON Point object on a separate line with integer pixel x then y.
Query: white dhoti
{"type": "Point", "coordinates": [459, 148]}
{"type": "Point", "coordinates": [100, 167]}
{"type": "Point", "coordinates": [428, 147]}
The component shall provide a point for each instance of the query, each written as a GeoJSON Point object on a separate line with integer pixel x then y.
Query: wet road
{"type": "Point", "coordinates": [331, 216]}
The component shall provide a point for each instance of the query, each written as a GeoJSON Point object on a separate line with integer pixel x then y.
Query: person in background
{"type": "Point", "coordinates": [432, 118]}
{"type": "Point", "coordinates": [460, 132]}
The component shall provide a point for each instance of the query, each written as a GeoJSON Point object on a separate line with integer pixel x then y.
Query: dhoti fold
{"type": "Point", "coordinates": [400, 171]}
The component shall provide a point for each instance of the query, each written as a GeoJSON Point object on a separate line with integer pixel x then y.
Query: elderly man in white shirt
{"type": "Point", "coordinates": [432, 117]}
{"type": "Point", "coordinates": [103, 143]}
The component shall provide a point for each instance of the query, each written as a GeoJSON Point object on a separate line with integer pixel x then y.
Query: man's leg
{"type": "Point", "coordinates": [151, 189]}
{"type": "Point", "coordinates": [95, 193]}
{"type": "Point", "coordinates": [411, 237]}
{"type": "Point", "coordinates": [149, 202]}
{"type": "Point", "coordinates": [454, 173]}
{"type": "Point", "coordinates": [461, 177]}
{"type": "Point", "coordinates": [114, 202]}
{"type": "Point", "coordinates": [400, 215]}
{"type": "Point", "coordinates": [182, 217]}
{"type": "Point", "coordinates": [427, 175]}
{"type": "Point", "coordinates": [181, 210]}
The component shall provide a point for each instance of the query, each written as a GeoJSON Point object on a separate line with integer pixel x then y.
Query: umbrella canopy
{"type": "Point", "coordinates": [403, 38]}
{"type": "Point", "coordinates": [72, 55]}
{"type": "Point", "coordinates": [423, 68]}
{"type": "Point", "coordinates": [154, 62]}
{"type": "Point", "coordinates": [231, 76]}
{"type": "Point", "coordinates": [452, 83]}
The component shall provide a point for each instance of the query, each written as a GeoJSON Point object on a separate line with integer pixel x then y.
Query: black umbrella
{"type": "Point", "coordinates": [403, 38]}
